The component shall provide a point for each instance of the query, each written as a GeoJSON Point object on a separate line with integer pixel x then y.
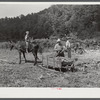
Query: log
{"type": "Point", "coordinates": [44, 68]}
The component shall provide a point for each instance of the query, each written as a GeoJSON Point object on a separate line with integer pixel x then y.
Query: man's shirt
{"type": "Point", "coordinates": [58, 47]}
{"type": "Point", "coordinates": [68, 44]}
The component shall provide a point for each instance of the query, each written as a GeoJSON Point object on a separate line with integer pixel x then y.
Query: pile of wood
{"type": "Point", "coordinates": [68, 64]}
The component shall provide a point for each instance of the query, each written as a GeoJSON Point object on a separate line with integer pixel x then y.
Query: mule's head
{"type": "Point", "coordinates": [11, 45]}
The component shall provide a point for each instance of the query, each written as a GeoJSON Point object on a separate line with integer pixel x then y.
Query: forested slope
{"type": "Point", "coordinates": [57, 20]}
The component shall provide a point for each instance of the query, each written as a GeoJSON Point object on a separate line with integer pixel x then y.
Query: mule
{"type": "Point", "coordinates": [21, 47]}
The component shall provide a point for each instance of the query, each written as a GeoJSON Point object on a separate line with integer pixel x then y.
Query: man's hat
{"type": "Point", "coordinates": [58, 40]}
{"type": "Point", "coordinates": [68, 37]}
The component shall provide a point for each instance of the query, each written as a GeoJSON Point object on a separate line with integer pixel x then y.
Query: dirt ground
{"type": "Point", "coordinates": [13, 74]}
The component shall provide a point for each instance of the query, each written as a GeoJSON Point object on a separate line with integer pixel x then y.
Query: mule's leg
{"type": "Point", "coordinates": [19, 57]}
{"type": "Point", "coordinates": [24, 56]}
{"type": "Point", "coordinates": [38, 58]}
{"type": "Point", "coordinates": [35, 59]}
{"type": "Point", "coordinates": [35, 56]}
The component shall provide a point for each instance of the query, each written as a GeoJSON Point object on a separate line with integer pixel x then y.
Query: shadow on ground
{"type": "Point", "coordinates": [31, 61]}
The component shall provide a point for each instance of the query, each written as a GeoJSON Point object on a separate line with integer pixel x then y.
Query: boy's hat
{"type": "Point", "coordinates": [27, 32]}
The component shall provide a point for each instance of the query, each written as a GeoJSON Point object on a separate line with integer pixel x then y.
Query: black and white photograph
{"type": "Point", "coordinates": [49, 45]}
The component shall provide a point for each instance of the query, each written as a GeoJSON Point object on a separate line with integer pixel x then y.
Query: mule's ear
{"type": "Point", "coordinates": [9, 41]}
{"type": "Point", "coordinates": [11, 47]}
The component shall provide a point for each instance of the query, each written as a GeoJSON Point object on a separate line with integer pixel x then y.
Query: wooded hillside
{"type": "Point", "coordinates": [58, 20]}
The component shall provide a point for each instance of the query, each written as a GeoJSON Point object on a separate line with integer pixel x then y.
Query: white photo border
{"type": "Point", "coordinates": [24, 92]}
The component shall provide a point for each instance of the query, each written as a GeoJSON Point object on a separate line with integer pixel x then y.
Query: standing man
{"type": "Point", "coordinates": [59, 49]}
{"type": "Point", "coordinates": [68, 46]}
{"type": "Point", "coordinates": [27, 40]}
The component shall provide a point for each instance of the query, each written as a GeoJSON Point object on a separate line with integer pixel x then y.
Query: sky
{"type": "Point", "coordinates": [13, 10]}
